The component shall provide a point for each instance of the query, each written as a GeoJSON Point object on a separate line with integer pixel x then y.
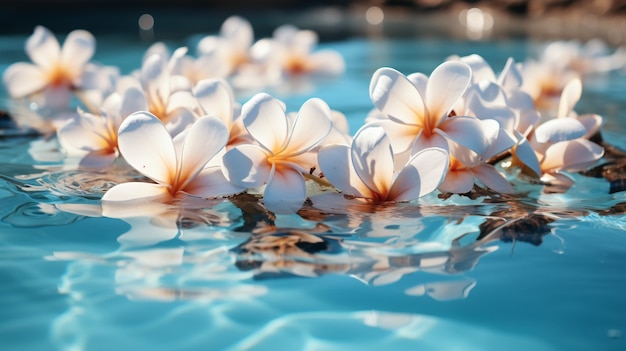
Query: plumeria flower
{"type": "Point", "coordinates": [168, 95]}
{"type": "Point", "coordinates": [177, 166]}
{"type": "Point", "coordinates": [416, 110]}
{"type": "Point", "coordinates": [55, 71]}
{"type": "Point", "coordinates": [283, 152]}
{"type": "Point", "coordinates": [366, 168]}
{"type": "Point", "coordinates": [97, 134]}
{"type": "Point", "coordinates": [290, 52]}
{"type": "Point", "coordinates": [231, 48]}
{"type": "Point", "coordinates": [591, 57]}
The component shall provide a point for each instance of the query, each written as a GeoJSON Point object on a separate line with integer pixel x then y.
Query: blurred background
{"type": "Point", "coordinates": [332, 19]}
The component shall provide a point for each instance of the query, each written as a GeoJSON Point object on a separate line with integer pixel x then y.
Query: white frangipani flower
{"type": "Point", "coordinates": [97, 134]}
{"type": "Point", "coordinates": [283, 153]}
{"type": "Point", "coordinates": [177, 166]}
{"type": "Point", "coordinates": [55, 71]}
{"type": "Point", "coordinates": [366, 168]}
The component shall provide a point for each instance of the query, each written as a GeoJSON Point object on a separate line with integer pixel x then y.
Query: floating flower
{"type": "Point", "coordinates": [416, 109]}
{"type": "Point", "coordinates": [176, 165]}
{"type": "Point", "coordinates": [366, 168]}
{"type": "Point", "coordinates": [97, 134]}
{"type": "Point", "coordinates": [55, 72]}
{"type": "Point", "coordinates": [283, 153]}
{"type": "Point", "coordinates": [231, 48]}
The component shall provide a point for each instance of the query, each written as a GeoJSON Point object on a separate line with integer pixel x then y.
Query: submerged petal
{"type": "Point", "coordinates": [395, 96]}
{"type": "Point", "coordinates": [147, 146]}
{"type": "Point", "coordinates": [285, 191]}
{"type": "Point", "coordinates": [423, 174]}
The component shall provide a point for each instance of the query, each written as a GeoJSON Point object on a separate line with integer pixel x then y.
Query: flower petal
{"type": "Point", "coordinates": [569, 97]}
{"type": "Point", "coordinates": [372, 158]}
{"type": "Point", "coordinates": [592, 123]}
{"type": "Point", "coordinates": [211, 182]}
{"type": "Point", "coordinates": [22, 79]}
{"type": "Point", "coordinates": [238, 31]}
{"type": "Point", "coordinates": [311, 125]}
{"type": "Point", "coordinates": [216, 99]}
{"type": "Point", "coordinates": [402, 136]}
{"type": "Point", "coordinates": [510, 78]}
{"type": "Point", "coordinates": [560, 129]}
{"type": "Point", "coordinates": [458, 182]}
{"type": "Point", "coordinates": [203, 140]}
{"type": "Point", "coordinates": [525, 153]}
{"type": "Point", "coordinates": [147, 146]}
{"type": "Point", "coordinates": [246, 166]}
{"type": "Point", "coordinates": [78, 48]}
{"type": "Point", "coordinates": [466, 131]}
{"type": "Point", "coordinates": [85, 132]}
{"type": "Point", "coordinates": [336, 165]}
{"type": "Point", "coordinates": [395, 96]}
{"type": "Point", "coordinates": [43, 47]}
{"type": "Point", "coordinates": [285, 191]}
{"type": "Point", "coordinates": [265, 120]}
{"type": "Point", "coordinates": [571, 155]}
{"type": "Point", "coordinates": [136, 191]}
{"type": "Point", "coordinates": [133, 101]}
{"type": "Point", "coordinates": [328, 62]}
{"type": "Point", "coordinates": [446, 85]}
{"type": "Point", "coordinates": [422, 175]}
{"type": "Point", "coordinates": [481, 71]}
{"type": "Point", "coordinates": [98, 159]}
{"type": "Point", "coordinates": [492, 179]}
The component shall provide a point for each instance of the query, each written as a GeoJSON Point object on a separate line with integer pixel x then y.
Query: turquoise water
{"type": "Point", "coordinates": [534, 271]}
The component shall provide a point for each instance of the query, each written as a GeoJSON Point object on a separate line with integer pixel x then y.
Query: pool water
{"type": "Point", "coordinates": [533, 271]}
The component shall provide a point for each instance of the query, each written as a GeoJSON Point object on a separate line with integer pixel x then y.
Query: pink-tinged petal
{"type": "Point", "coordinates": [592, 124]}
{"type": "Point", "coordinates": [457, 182]}
{"type": "Point", "coordinates": [216, 99]}
{"type": "Point", "coordinates": [372, 158]}
{"type": "Point", "coordinates": [246, 166]}
{"type": "Point", "coordinates": [466, 131]}
{"type": "Point", "coordinates": [238, 31]}
{"type": "Point", "coordinates": [569, 97]}
{"type": "Point", "coordinates": [22, 79]}
{"type": "Point", "coordinates": [525, 153]}
{"type": "Point", "coordinates": [134, 191]}
{"type": "Point", "coordinates": [571, 155]}
{"type": "Point", "coordinates": [203, 140]}
{"type": "Point", "coordinates": [492, 179]}
{"type": "Point", "coordinates": [556, 130]}
{"type": "Point", "coordinates": [311, 125]}
{"type": "Point", "coordinates": [86, 132]}
{"type": "Point", "coordinates": [147, 146]}
{"type": "Point", "coordinates": [43, 47]}
{"type": "Point", "coordinates": [562, 180]}
{"type": "Point", "coordinates": [422, 175]}
{"type": "Point", "coordinates": [336, 165]}
{"type": "Point", "coordinates": [395, 96]}
{"type": "Point", "coordinates": [98, 159]}
{"type": "Point", "coordinates": [401, 135]}
{"type": "Point", "coordinates": [78, 48]}
{"type": "Point", "coordinates": [265, 120]}
{"type": "Point", "coordinates": [446, 85]}
{"type": "Point", "coordinates": [528, 119]}
{"type": "Point", "coordinates": [133, 101]}
{"type": "Point", "coordinates": [211, 182]}
{"type": "Point", "coordinates": [285, 191]}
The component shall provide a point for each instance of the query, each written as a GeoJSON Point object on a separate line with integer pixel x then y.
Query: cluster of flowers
{"type": "Point", "coordinates": [186, 132]}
